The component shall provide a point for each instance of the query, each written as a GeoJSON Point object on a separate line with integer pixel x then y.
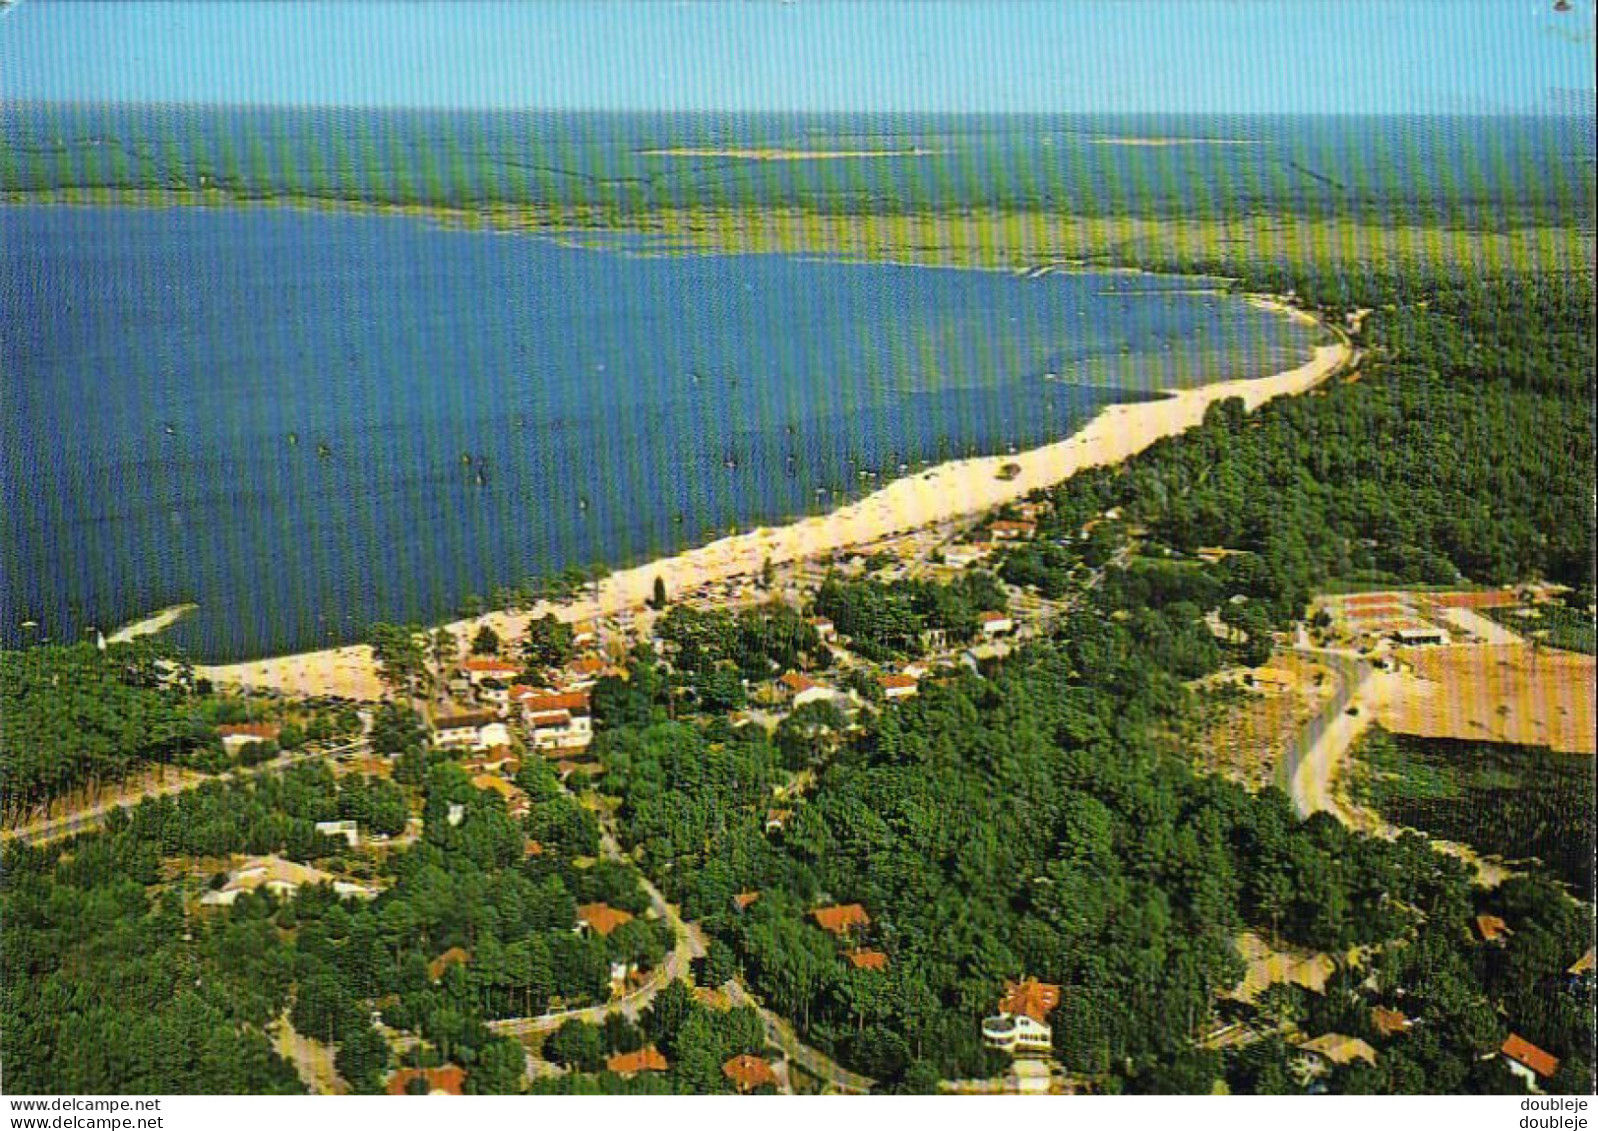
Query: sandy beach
{"type": "Point", "coordinates": [943, 493]}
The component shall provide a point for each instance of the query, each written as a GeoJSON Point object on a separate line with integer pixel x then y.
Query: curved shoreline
{"type": "Point", "coordinates": [947, 492]}
{"type": "Point", "coordinates": [158, 621]}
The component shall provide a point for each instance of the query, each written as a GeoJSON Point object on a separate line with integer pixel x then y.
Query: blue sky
{"type": "Point", "coordinates": [1201, 56]}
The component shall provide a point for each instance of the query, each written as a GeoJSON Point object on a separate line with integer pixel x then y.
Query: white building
{"type": "Point", "coordinates": [467, 732]}
{"type": "Point", "coordinates": [1017, 1033]}
{"type": "Point", "coordinates": [349, 830]}
{"type": "Point", "coordinates": [281, 878]}
{"type": "Point", "coordinates": [996, 624]}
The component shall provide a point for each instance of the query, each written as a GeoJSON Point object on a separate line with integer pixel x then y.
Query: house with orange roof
{"type": "Point", "coordinates": [450, 1080]}
{"type": "Point", "coordinates": [479, 668]}
{"type": "Point", "coordinates": [995, 623]}
{"type": "Point", "coordinates": [824, 628]}
{"type": "Point", "coordinates": [868, 959]}
{"type": "Point", "coordinates": [749, 1072]}
{"type": "Point", "coordinates": [840, 919]}
{"type": "Point", "coordinates": [1019, 1028]}
{"type": "Point", "coordinates": [777, 819]}
{"type": "Point", "coordinates": [555, 722]}
{"type": "Point", "coordinates": [744, 898]}
{"type": "Point", "coordinates": [1528, 1062]}
{"type": "Point", "coordinates": [1389, 1022]}
{"type": "Point", "coordinates": [1007, 531]}
{"type": "Point", "coordinates": [1491, 928]}
{"type": "Point", "coordinates": [799, 689]}
{"type": "Point", "coordinates": [454, 956]}
{"type": "Point", "coordinates": [898, 686]}
{"type": "Point", "coordinates": [646, 1059]}
{"type": "Point", "coordinates": [601, 918]}
{"type": "Point", "coordinates": [1029, 997]}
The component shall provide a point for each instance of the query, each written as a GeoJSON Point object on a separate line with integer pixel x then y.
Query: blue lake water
{"type": "Point", "coordinates": [308, 421]}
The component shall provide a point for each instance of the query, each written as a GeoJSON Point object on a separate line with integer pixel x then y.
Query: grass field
{"type": "Point", "coordinates": [972, 238]}
{"type": "Point", "coordinates": [1515, 802]}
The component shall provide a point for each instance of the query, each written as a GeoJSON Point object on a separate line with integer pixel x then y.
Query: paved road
{"type": "Point", "coordinates": [85, 820]}
{"type": "Point", "coordinates": [690, 945]}
{"type": "Point", "coordinates": [1306, 768]}
{"type": "Point", "coordinates": [813, 1061]}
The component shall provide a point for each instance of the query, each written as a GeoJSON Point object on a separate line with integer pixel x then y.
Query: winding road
{"type": "Point", "coordinates": [1305, 772]}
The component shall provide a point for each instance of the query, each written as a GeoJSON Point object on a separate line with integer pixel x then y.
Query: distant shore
{"type": "Point", "coordinates": [949, 491]}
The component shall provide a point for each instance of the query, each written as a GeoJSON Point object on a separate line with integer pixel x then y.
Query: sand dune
{"type": "Point", "coordinates": [949, 491]}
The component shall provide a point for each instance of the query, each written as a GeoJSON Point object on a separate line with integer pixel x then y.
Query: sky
{"type": "Point", "coordinates": [1082, 56]}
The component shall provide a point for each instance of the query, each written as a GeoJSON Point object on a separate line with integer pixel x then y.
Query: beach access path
{"type": "Point", "coordinates": [950, 491]}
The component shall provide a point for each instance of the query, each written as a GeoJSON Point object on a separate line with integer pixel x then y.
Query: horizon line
{"type": "Point", "coordinates": [1533, 112]}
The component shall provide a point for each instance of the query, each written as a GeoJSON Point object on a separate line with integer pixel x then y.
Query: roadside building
{"type": "Point", "coordinates": [824, 629]}
{"type": "Point", "coordinates": [1020, 1027]}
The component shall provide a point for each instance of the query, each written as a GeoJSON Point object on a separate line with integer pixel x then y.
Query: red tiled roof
{"type": "Point", "coordinates": [992, 618]}
{"type": "Point", "coordinates": [533, 848]}
{"type": "Point", "coordinates": [744, 898]}
{"type": "Point", "coordinates": [454, 956]}
{"type": "Point", "coordinates": [1388, 1021]}
{"type": "Point", "coordinates": [646, 1059]}
{"type": "Point", "coordinates": [1491, 927]}
{"type": "Point", "coordinates": [796, 682]}
{"type": "Point", "coordinates": [588, 665]}
{"type": "Point", "coordinates": [490, 664]}
{"type": "Point", "coordinates": [839, 919]}
{"type": "Point", "coordinates": [1034, 998]}
{"type": "Point", "coordinates": [1522, 1051]}
{"type": "Point", "coordinates": [602, 917]}
{"type": "Point", "coordinates": [749, 1072]}
{"type": "Point", "coordinates": [868, 960]}
{"type": "Point", "coordinates": [448, 1079]}
{"type": "Point", "coordinates": [896, 681]}
{"type": "Point", "coordinates": [574, 701]}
